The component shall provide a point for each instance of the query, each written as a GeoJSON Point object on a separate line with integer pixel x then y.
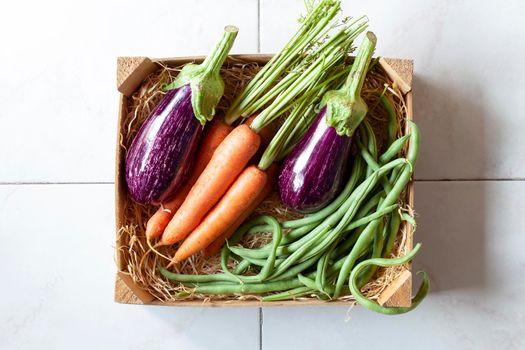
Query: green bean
{"type": "Point", "coordinates": [394, 149]}
{"type": "Point", "coordinates": [260, 253]}
{"type": "Point", "coordinates": [365, 154]}
{"type": "Point", "coordinates": [394, 224]}
{"type": "Point", "coordinates": [375, 215]}
{"type": "Point", "coordinates": [297, 233]}
{"type": "Point", "coordinates": [373, 165]}
{"type": "Point", "coordinates": [413, 150]}
{"type": "Point", "coordinates": [394, 175]}
{"type": "Point", "coordinates": [289, 294]}
{"type": "Point", "coordinates": [392, 117]}
{"type": "Point", "coordinates": [308, 282]}
{"type": "Point", "coordinates": [296, 255]}
{"type": "Point", "coordinates": [370, 204]}
{"type": "Point", "coordinates": [294, 270]}
{"type": "Point", "coordinates": [408, 218]}
{"type": "Point", "coordinates": [371, 158]}
{"type": "Point", "coordinates": [268, 267]}
{"type": "Point", "coordinates": [264, 251]}
{"type": "Point", "coordinates": [372, 144]}
{"type": "Point", "coordinates": [347, 243]}
{"type": "Point", "coordinates": [372, 305]}
{"type": "Point", "coordinates": [377, 249]}
{"type": "Point", "coordinates": [260, 262]}
{"type": "Point", "coordinates": [242, 288]}
{"type": "Point", "coordinates": [393, 229]}
{"type": "Point", "coordinates": [322, 266]}
{"type": "Point", "coordinates": [183, 278]}
{"type": "Point", "coordinates": [242, 267]}
{"type": "Point", "coordinates": [250, 227]}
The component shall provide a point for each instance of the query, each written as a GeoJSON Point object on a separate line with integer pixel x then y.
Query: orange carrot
{"type": "Point", "coordinates": [235, 202]}
{"type": "Point", "coordinates": [227, 163]}
{"type": "Point", "coordinates": [217, 244]}
{"type": "Point", "coordinates": [214, 134]}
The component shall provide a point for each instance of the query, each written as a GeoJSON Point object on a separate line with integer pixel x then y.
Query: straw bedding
{"type": "Point", "coordinates": [135, 254]}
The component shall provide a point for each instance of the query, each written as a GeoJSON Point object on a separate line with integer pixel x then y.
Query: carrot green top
{"type": "Point", "coordinates": [314, 28]}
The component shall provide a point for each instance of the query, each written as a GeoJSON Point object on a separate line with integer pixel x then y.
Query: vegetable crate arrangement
{"type": "Point", "coordinates": [268, 180]}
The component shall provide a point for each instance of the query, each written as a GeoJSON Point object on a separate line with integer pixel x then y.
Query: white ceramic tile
{"type": "Point", "coordinates": [57, 73]}
{"type": "Point", "coordinates": [473, 239]}
{"type": "Point", "coordinates": [468, 89]}
{"type": "Point", "coordinates": [57, 278]}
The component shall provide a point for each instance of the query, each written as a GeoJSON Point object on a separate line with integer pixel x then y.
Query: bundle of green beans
{"type": "Point", "coordinates": [335, 251]}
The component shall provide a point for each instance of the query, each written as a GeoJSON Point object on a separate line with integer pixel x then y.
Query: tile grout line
{"type": "Point", "coordinates": [260, 328]}
{"type": "Point", "coordinates": [258, 26]}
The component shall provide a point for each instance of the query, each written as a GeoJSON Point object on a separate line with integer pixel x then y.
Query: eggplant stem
{"type": "Point", "coordinates": [357, 75]}
{"type": "Point", "coordinates": [213, 62]}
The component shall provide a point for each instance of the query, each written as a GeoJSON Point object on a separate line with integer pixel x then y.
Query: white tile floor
{"type": "Point", "coordinates": [57, 129]}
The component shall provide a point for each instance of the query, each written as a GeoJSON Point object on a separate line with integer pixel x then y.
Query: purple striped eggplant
{"type": "Point", "coordinates": [161, 154]}
{"type": "Point", "coordinates": [160, 157]}
{"type": "Point", "coordinates": [316, 169]}
{"type": "Point", "coordinates": [313, 174]}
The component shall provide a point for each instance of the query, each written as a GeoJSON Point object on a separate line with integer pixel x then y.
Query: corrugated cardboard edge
{"type": "Point", "coordinates": [131, 71]}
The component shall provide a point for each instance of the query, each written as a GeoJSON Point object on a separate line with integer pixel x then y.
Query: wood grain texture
{"type": "Point", "coordinates": [399, 292]}
{"type": "Point", "coordinates": [131, 71]}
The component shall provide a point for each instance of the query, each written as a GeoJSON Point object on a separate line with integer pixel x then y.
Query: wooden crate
{"type": "Point", "coordinates": [131, 71]}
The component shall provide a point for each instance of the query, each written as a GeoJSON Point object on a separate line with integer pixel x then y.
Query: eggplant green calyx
{"type": "Point", "coordinates": [207, 86]}
{"type": "Point", "coordinates": [345, 108]}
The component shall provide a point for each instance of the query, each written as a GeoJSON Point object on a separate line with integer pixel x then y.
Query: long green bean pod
{"type": "Point", "coordinates": [372, 305]}
{"type": "Point", "coordinates": [394, 223]}
{"type": "Point", "coordinates": [268, 267]}
{"type": "Point", "coordinates": [289, 294]}
{"type": "Point", "coordinates": [247, 288]}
